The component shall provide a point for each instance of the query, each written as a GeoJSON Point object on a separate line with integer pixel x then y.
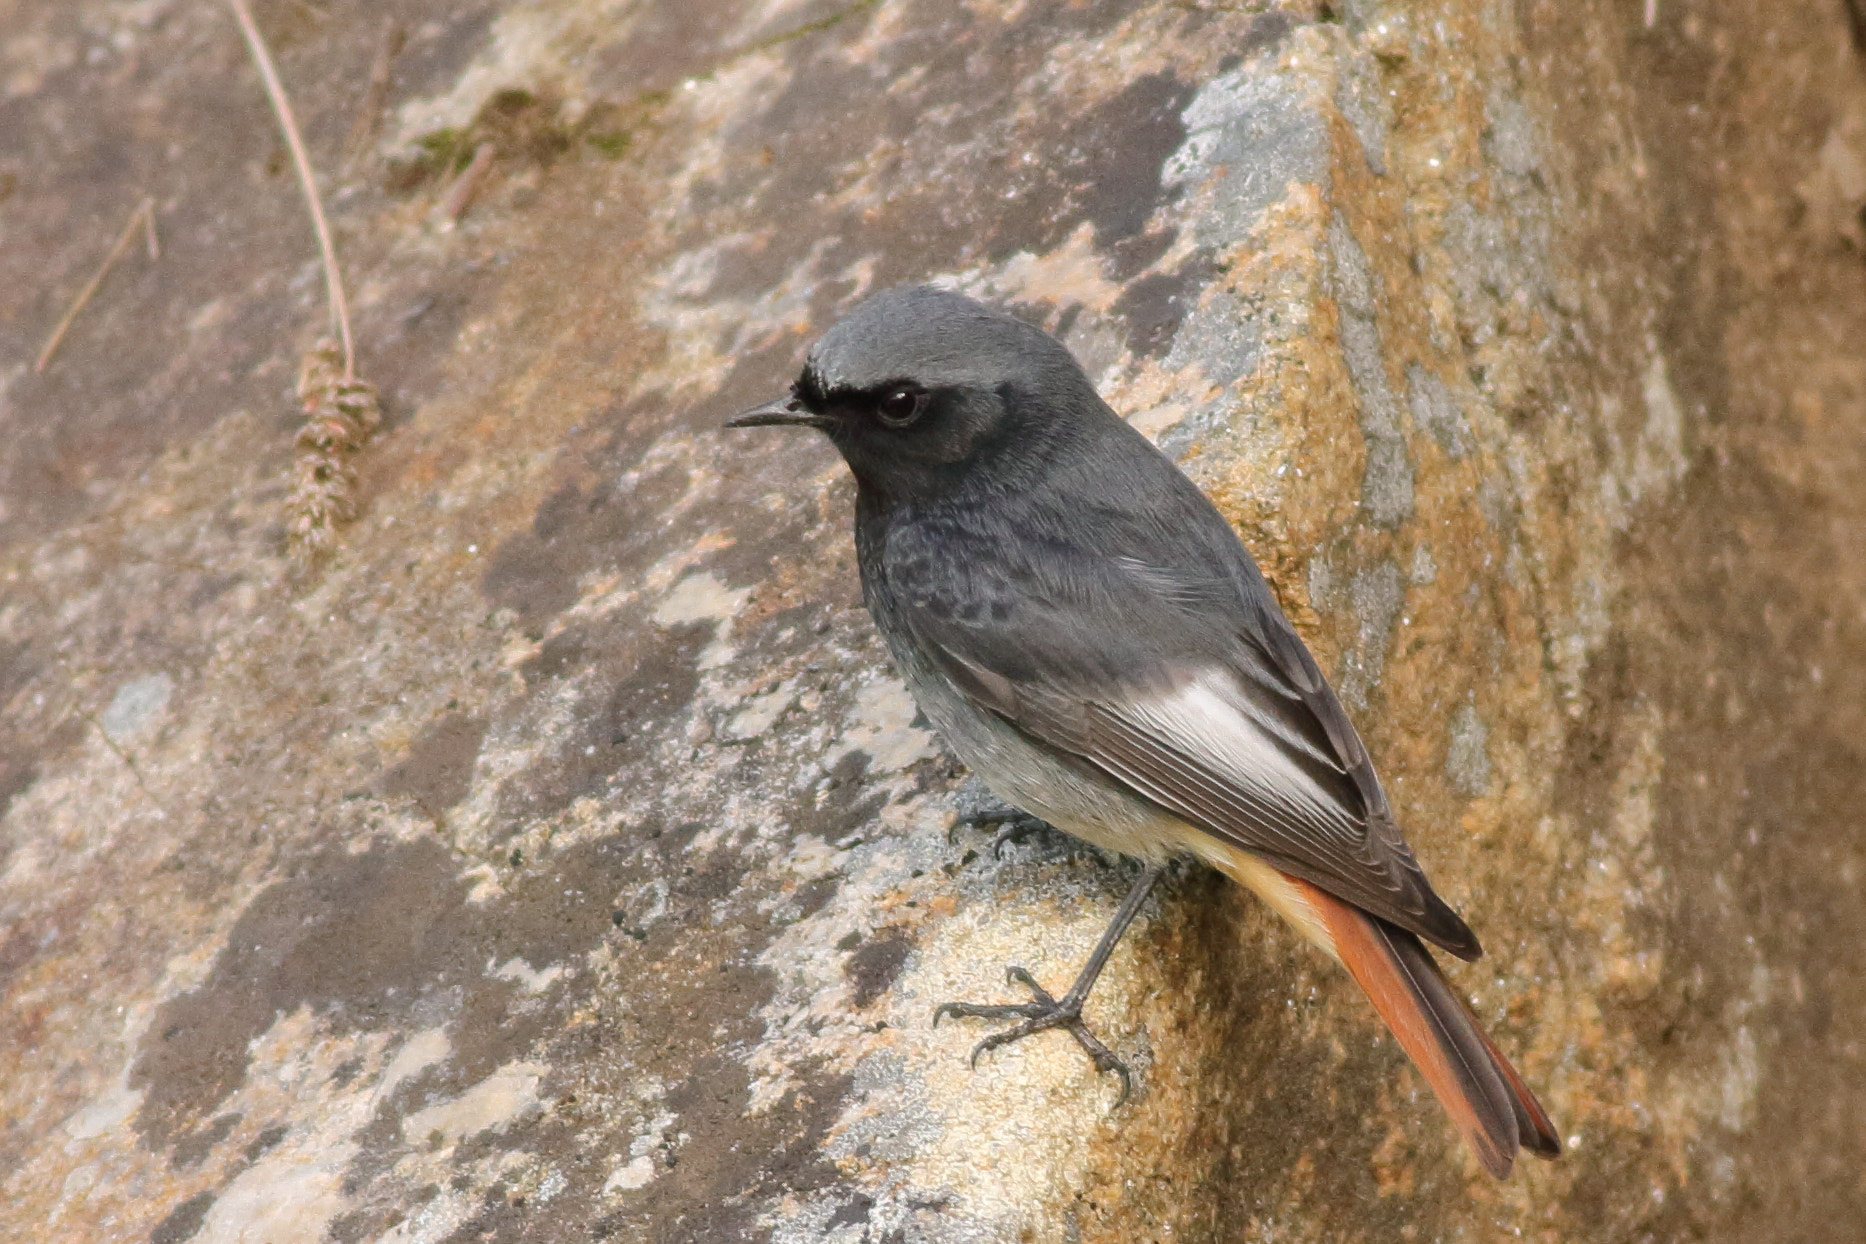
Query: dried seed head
{"type": "Point", "coordinates": [340, 414]}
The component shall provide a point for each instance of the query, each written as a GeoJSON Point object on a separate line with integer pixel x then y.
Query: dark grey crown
{"type": "Point", "coordinates": [939, 339]}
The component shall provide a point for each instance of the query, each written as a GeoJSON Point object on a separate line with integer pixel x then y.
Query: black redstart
{"type": "Point", "coordinates": [1089, 635]}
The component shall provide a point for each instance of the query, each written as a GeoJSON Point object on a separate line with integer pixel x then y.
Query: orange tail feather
{"type": "Point", "coordinates": [1485, 1097]}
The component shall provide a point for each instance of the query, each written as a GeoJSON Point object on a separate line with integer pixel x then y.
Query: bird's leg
{"type": "Point", "coordinates": [1044, 1011]}
{"type": "Point", "coordinates": [978, 808]}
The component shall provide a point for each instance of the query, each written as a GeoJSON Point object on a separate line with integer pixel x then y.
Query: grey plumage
{"type": "Point", "coordinates": [1089, 635]}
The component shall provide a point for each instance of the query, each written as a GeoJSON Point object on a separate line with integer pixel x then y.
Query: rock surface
{"type": "Point", "coordinates": [561, 860]}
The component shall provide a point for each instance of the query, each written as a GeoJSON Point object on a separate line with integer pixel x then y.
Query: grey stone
{"type": "Point", "coordinates": [560, 857]}
{"type": "Point", "coordinates": [1374, 599]}
{"type": "Point", "coordinates": [1435, 410]}
{"type": "Point", "coordinates": [1254, 131]}
{"type": "Point", "coordinates": [1467, 762]}
{"type": "Point", "coordinates": [135, 705]}
{"type": "Point", "coordinates": [1387, 483]}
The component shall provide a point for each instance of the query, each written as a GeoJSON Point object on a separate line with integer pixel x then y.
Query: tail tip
{"type": "Point", "coordinates": [1544, 1144]}
{"type": "Point", "coordinates": [1500, 1161]}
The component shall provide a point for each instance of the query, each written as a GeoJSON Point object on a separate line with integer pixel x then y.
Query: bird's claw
{"type": "Point", "coordinates": [1014, 975]}
{"type": "Point", "coordinates": [1041, 1013]}
{"type": "Point", "coordinates": [1013, 826]}
{"type": "Point", "coordinates": [1013, 831]}
{"type": "Point", "coordinates": [978, 808]}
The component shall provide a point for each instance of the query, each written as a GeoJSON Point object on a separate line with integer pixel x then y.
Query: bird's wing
{"type": "Point", "coordinates": [1182, 689]}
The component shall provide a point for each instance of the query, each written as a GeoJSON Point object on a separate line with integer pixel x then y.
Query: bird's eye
{"type": "Point", "coordinates": [900, 407]}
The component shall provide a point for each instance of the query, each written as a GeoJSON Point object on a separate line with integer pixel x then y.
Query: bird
{"type": "Point", "coordinates": [1093, 640]}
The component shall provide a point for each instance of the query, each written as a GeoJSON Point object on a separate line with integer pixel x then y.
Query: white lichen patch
{"type": "Point", "coordinates": [705, 597]}
{"type": "Point", "coordinates": [882, 725]}
{"type": "Point", "coordinates": [1467, 759]}
{"type": "Point", "coordinates": [761, 711]}
{"type": "Point", "coordinates": [135, 707]}
{"type": "Point", "coordinates": [1742, 1077]}
{"type": "Point", "coordinates": [425, 1049]}
{"type": "Point", "coordinates": [494, 1104]}
{"type": "Point", "coordinates": [434, 1220]}
{"type": "Point", "coordinates": [639, 1171]}
{"type": "Point", "coordinates": [486, 884]}
{"type": "Point", "coordinates": [531, 980]}
{"type": "Point", "coordinates": [1070, 275]}
{"type": "Point", "coordinates": [1659, 456]}
{"type": "Point", "coordinates": [104, 1114]}
{"type": "Point", "coordinates": [289, 1196]}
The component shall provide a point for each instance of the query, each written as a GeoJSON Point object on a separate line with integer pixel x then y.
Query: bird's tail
{"type": "Point", "coordinates": [1487, 1101]}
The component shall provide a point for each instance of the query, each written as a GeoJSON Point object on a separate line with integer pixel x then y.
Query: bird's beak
{"type": "Point", "coordinates": [782, 412]}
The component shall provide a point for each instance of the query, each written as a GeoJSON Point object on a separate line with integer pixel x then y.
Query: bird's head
{"type": "Point", "coordinates": [924, 390]}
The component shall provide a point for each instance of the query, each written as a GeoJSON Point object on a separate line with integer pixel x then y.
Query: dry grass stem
{"type": "Point", "coordinates": [340, 410]}
{"type": "Point", "coordinates": [144, 215]}
{"type": "Point", "coordinates": [459, 196]}
{"type": "Point", "coordinates": [275, 91]}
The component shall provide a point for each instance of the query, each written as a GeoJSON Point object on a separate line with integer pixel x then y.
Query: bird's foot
{"type": "Point", "coordinates": [1013, 830]}
{"type": "Point", "coordinates": [1042, 1012]}
{"type": "Point", "coordinates": [978, 808]}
